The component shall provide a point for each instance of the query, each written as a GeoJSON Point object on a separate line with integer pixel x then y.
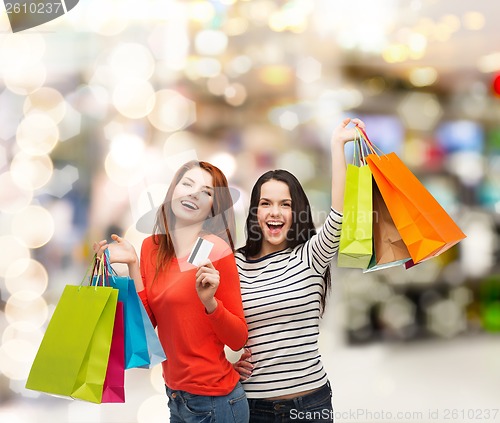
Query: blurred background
{"type": "Point", "coordinates": [99, 107]}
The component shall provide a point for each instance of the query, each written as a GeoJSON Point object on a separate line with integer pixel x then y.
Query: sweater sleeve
{"type": "Point", "coordinates": [318, 252]}
{"type": "Point", "coordinates": [228, 320]}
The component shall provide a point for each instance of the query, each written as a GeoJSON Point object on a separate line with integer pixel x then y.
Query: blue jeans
{"type": "Point", "coordinates": [189, 408]}
{"type": "Point", "coordinates": [313, 407]}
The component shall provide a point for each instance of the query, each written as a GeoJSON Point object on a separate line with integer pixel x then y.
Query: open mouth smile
{"type": "Point", "coordinates": [274, 226]}
{"type": "Point", "coordinates": [189, 205]}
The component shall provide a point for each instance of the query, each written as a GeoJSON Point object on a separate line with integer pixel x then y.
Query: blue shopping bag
{"type": "Point", "coordinates": [155, 350]}
{"type": "Point", "coordinates": [136, 345]}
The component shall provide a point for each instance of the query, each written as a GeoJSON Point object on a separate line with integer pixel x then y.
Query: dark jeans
{"type": "Point", "coordinates": [314, 407]}
{"type": "Point", "coordinates": [189, 408]}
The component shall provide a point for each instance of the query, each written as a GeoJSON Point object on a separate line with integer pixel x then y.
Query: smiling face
{"type": "Point", "coordinates": [274, 215]}
{"type": "Point", "coordinates": [192, 198]}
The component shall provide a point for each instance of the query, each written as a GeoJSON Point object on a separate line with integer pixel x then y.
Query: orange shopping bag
{"type": "Point", "coordinates": [425, 227]}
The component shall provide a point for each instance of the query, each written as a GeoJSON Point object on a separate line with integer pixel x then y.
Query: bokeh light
{"type": "Point", "coordinates": [37, 134]}
{"type": "Point", "coordinates": [12, 197]}
{"type": "Point", "coordinates": [23, 331]}
{"type": "Point", "coordinates": [496, 85]}
{"type": "Point", "coordinates": [200, 11]}
{"type": "Point", "coordinates": [225, 162]}
{"type": "Point", "coordinates": [126, 149]}
{"type": "Point", "coordinates": [422, 77]}
{"type": "Point", "coordinates": [309, 69]}
{"type": "Point", "coordinates": [71, 124]}
{"type": "Point", "coordinates": [33, 225]}
{"type": "Point", "coordinates": [111, 20]}
{"type": "Point", "coordinates": [398, 314]}
{"type": "Point", "coordinates": [276, 75]}
{"type": "Point", "coordinates": [170, 44]}
{"type": "Point", "coordinates": [478, 257]}
{"type": "Point", "coordinates": [133, 97]}
{"type": "Point", "coordinates": [420, 111]}
{"type": "Point", "coordinates": [179, 142]}
{"type": "Point", "coordinates": [396, 53]}
{"type": "Point", "coordinates": [237, 25]}
{"type": "Point", "coordinates": [240, 65]}
{"type": "Point", "coordinates": [16, 357]}
{"type": "Point", "coordinates": [418, 46]}
{"type": "Point", "coordinates": [217, 85]}
{"type": "Point", "coordinates": [124, 163]}
{"type": "Point", "coordinates": [20, 51]}
{"type": "Point", "coordinates": [31, 172]}
{"type": "Point", "coordinates": [26, 275]}
{"type": "Point", "coordinates": [172, 111]}
{"type": "Point", "coordinates": [131, 60]}
{"type": "Point", "coordinates": [205, 67]}
{"type": "Point", "coordinates": [210, 42]}
{"type": "Point", "coordinates": [299, 163]}
{"type": "Point", "coordinates": [25, 80]}
{"type": "Point", "coordinates": [446, 318]}
{"type": "Point", "coordinates": [27, 309]}
{"type": "Point", "coordinates": [235, 94]}
{"type": "Point", "coordinates": [12, 112]}
{"type": "Point", "coordinates": [489, 63]}
{"type": "Point", "coordinates": [288, 120]}
{"type": "Point", "coordinates": [474, 21]}
{"type": "Point", "coordinates": [48, 101]}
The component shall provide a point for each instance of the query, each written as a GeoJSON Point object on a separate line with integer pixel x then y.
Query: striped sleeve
{"type": "Point", "coordinates": [320, 249]}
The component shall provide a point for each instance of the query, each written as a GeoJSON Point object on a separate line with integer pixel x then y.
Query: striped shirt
{"type": "Point", "coordinates": [281, 295]}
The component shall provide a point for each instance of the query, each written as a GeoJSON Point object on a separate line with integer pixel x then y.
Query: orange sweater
{"type": "Point", "coordinates": [192, 339]}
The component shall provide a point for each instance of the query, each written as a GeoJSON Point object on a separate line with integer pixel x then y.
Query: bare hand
{"type": "Point", "coordinates": [342, 134]}
{"type": "Point", "coordinates": [207, 282]}
{"type": "Point", "coordinates": [243, 366]}
{"type": "Point", "coordinates": [120, 251]}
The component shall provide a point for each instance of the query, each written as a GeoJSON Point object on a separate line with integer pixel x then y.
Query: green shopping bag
{"type": "Point", "coordinates": [356, 244]}
{"type": "Point", "coordinates": [73, 356]}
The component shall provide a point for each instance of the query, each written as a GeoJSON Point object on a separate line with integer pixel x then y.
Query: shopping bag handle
{"type": "Point", "coordinates": [108, 267]}
{"type": "Point", "coordinates": [98, 271]}
{"type": "Point", "coordinates": [372, 147]}
{"type": "Point", "coordinates": [357, 159]}
{"type": "Point", "coordinates": [93, 264]}
{"type": "Point", "coordinates": [360, 148]}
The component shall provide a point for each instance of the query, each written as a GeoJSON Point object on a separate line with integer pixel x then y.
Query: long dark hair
{"type": "Point", "coordinates": [301, 230]}
{"type": "Point", "coordinates": [220, 223]}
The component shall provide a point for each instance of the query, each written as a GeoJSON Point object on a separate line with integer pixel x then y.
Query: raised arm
{"type": "Point", "coordinates": [340, 136]}
{"type": "Point", "coordinates": [321, 248]}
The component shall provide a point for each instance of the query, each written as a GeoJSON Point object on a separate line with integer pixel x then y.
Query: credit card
{"type": "Point", "coordinates": [200, 251]}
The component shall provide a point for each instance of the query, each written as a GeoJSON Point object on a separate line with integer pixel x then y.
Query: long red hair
{"type": "Point", "coordinates": [220, 223]}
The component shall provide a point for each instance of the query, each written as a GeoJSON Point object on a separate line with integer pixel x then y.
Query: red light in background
{"type": "Point", "coordinates": [496, 85]}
